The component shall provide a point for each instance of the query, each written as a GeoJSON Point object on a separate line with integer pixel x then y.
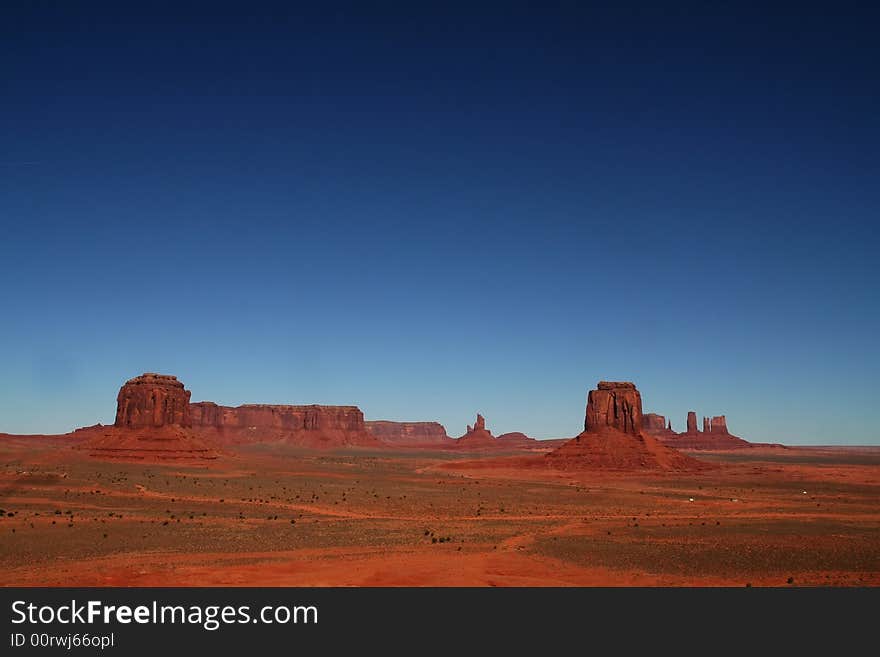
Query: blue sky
{"type": "Point", "coordinates": [431, 212]}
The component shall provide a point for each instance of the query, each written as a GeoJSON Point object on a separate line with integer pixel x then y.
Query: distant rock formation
{"type": "Point", "coordinates": [615, 405]}
{"type": "Point", "coordinates": [154, 415]}
{"type": "Point", "coordinates": [613, 438]}
{"type": "Point", "coordinates": [409, 434]}
{"type": "Point", "coordinates": [714, 435]}
{"type": "Point", "coordinates": [477, 436]}
{"type": "Point", "coordinates": [718, 424]}
{"type": "Point", "coordinates": [517, 439]}
{"type": "Point", "coordinates": [278, 416]}
{"type": "Point", "coordinates": [152, 400]}
{"type": "Point", "coordinates": [653, 423]}
{"type": "Point", "coordinates": [304, 425]}
{"type": "Point", "coordinates": [152, 424]}
{"type": "Point", "coordinates": [656, 425]}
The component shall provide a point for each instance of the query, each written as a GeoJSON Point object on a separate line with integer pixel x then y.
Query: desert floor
{"type": "Point", "coordinates": [274, 516]}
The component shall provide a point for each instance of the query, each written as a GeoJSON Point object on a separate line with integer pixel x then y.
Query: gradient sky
{"type": "Point", "coordinates": [434, 212]}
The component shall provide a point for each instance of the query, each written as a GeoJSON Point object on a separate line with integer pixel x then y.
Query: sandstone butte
{"type": "Point", "coordinates": [152, 423]}
{"type": "Point", "coordinates": [477, 436]}
{"type": "Point", "coordinates": [714, 435]}
{"type": "Point", "coordinates": [613, 437]}
{"type": "Point", "coordinates": [410, 434]}
{"type": "Point", "coordinates": [655, 424]}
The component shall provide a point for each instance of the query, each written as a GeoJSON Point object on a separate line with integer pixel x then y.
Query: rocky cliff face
{"type": "Point", "coordinates": [616, 405]}
{"type": "Point", "coordinates": [613, 438]}
{"type": "Point", "coordinates": [152, 400]}
{"type": "Point", "coordinates": [691, 422]}
{"type": "Point", "coordinates": [152, 424]}
{"type": "Point", "coordinates": [307, 425]}
{"type": "Point", "coordinates": [656, 425]}
{"type": "Point", "coordinates": [718, 424]}
{"type": "Point", "coordinates": [409, 433]}
{"type": "Point", "coordinates": [278, 416]}
{"type": "Point", "coordinates": [653, 423]}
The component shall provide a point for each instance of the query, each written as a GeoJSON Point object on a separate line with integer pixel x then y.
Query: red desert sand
{"type": "Point", "coordinates": [183, 494]}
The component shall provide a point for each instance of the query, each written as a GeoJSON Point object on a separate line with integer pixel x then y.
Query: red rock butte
{"type": "Point", "coordinates": [477, 436]}
{"type": "Point", "coordinates": [657, 426]}
{"type": "Point", "coordinates": [715, 435]}
{"type": "Point", "coordinates": [152, 423]}
{"type": "Point", "coordinates": [653, 423]}
{"type": "Point", "coordinates": [152, 400]}
{"type": "Point", "coordinates": [613, 439]}
{"type": "Point", "coordinates": [615, 405]}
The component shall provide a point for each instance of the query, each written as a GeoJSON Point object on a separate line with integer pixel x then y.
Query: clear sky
{"type": "Point", "coordinates": [434, 212]}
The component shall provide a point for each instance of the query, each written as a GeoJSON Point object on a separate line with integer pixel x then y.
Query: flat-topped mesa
{"type": "Point", "coordinates": [285, 417]}
{"type": "Point", "coordinates": [653, 422]}
{"type": "Point", "coordinates": [613, 436]}
{"type": "Point", "coordinates": [408, 433]}
{"type": "Point", "coordinates": [656, 424]}
{"type": "Point", "coordinates": [691, 422]}
{"type": "Point", "coordinates": [152, 400]}
{"type": "Point", "coordinates": [718, 424]}
{"type": "Point", "coordinates": [614, 405]}
{"type": "Point", "coordinates": [311, 426]}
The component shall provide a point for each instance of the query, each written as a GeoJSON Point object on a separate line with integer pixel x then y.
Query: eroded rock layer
{"type": "Point", "coordinates": [152, 400]}
{"type": "Point", "coordinates": [714, 436]}
{"type": "Point", "coordinates": [477, 436]}
{"type": "Point", "coordinates": [312, 425]}
{"type": "Point", "coordinates": [516, 439]}
{"type": "Point", "coordinates": [653, 423]}
{"type": "Point", "coordinates": [411, 434]}
{"type": "Point", "coordinates": [613, 438]}
{"type": "Point", "coordinates": [614, 405]}
{"type": "Point", "coordinates": [152, 424]}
